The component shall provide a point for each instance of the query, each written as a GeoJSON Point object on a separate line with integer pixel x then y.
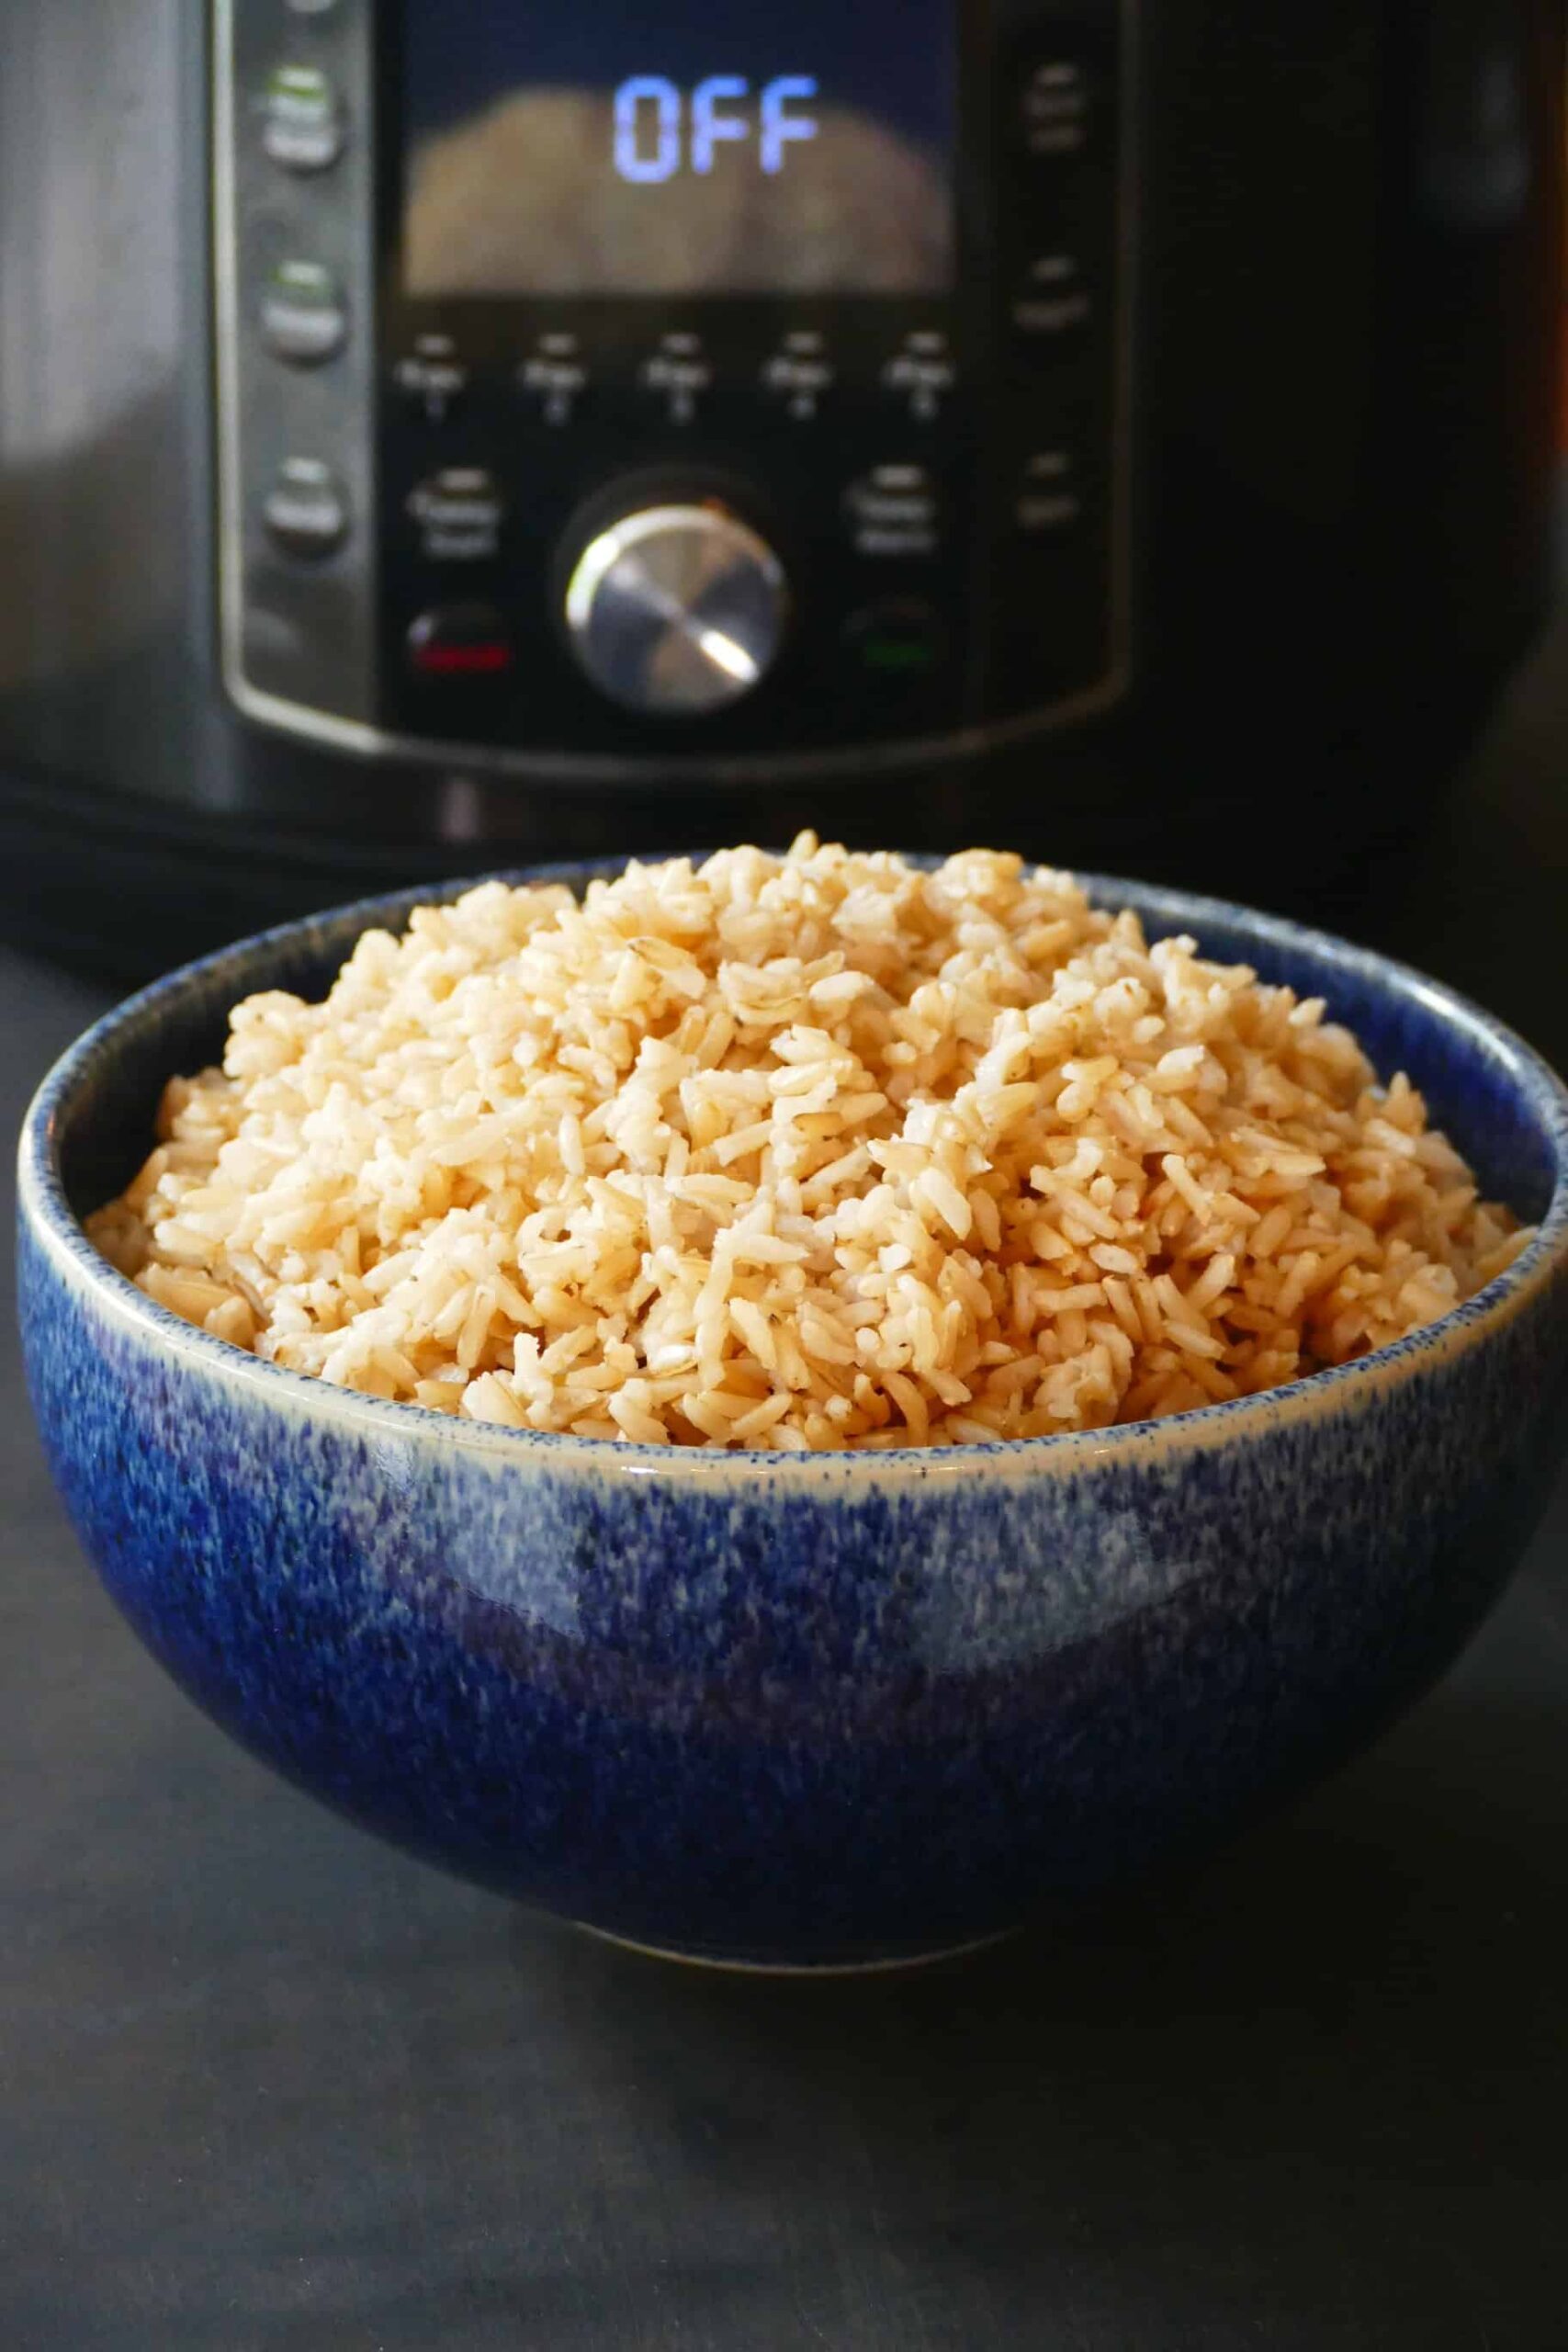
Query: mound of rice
{"type": "Point", "coordinates": [813, 1151]}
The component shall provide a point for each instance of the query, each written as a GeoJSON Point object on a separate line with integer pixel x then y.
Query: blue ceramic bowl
{"type": "Point", "coordinates": [794, 1710]}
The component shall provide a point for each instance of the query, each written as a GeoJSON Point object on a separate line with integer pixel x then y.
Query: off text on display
{"type": "Point", "coordinates": [660, 132]}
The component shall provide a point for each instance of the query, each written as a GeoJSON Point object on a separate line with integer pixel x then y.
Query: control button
{"type": "Point", "coordinates": [555, 377]}
{"type": "Point", "coordinates": [1048, 500]}
{"type": "Point", "coordinates": [303, 315]}
{"type": "Point", "coordinates": [799, 375]}
{"type": "Point", "coordinates": [460, 511]}
{"type": "Point", "coordinates": [1053, 300]}
{"type": "Point", "coordinates": [678, 375]}
{"type": "Point", "coordinates": [306, 512]}
{"type": "Point", "coordinates": [304, 129]}
{"type": "Point", "coordinates": [461, 641]}
{"type": "Point", "coordinates": [894, 511]}
{"type": "Point", "coordinates": [1057, 108]}
{"type": "Point", "coordinates": [432, 377]}
{"type": "Point", "coordinates": [901, 638]}
{"type": "Point", "coordinates": [678, 610]}
{"type": "Point", "coordinates": [922, 374]}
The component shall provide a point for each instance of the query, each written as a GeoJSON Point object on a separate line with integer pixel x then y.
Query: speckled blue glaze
{"type": "Point", "coordinates": [783, 1710]}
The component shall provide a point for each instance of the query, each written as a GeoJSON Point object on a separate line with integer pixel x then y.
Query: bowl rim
{"type": "Point", "coordinates": [44, 1212]}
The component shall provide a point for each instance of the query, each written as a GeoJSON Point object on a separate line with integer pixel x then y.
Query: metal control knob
{"type": "Point", "coordinates": [677, 609]}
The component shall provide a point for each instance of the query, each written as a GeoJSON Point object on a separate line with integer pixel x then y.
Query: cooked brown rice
{"type": "Point", "coordinates": [812, 1152]}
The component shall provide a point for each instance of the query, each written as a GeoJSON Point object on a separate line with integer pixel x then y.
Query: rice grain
{"type": "Point", "coordinates": [808, 1152]}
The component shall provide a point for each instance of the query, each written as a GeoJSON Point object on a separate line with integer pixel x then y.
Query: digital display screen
{"type": "Point", "coordinates": [612, 147]}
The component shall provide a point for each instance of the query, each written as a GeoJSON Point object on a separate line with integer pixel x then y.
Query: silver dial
{"type": "Point", "coordinates": [678, 609]}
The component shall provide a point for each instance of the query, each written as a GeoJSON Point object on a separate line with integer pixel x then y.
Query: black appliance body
{"type": "Point", "coordinates": [434, 438]}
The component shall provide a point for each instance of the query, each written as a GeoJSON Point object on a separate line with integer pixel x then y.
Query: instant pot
{"type": "Point", "coordinates": [437, 436]}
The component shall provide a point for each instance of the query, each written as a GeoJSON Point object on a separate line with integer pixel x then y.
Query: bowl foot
{"type": "Point", "coordinates": [719, 1964]}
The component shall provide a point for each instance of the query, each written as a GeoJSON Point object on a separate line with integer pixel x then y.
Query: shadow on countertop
{"type": "Point", "coordinates": [274, 2087]}
{"type": "Point", "coordinates": [1314, 2098]}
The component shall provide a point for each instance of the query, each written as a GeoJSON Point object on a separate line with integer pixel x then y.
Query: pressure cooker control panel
{"type": "Point", "coordinates": [736, 396]}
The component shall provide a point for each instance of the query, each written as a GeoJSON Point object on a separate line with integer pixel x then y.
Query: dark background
{"type": "Point", "coordinates": [266, 2086]}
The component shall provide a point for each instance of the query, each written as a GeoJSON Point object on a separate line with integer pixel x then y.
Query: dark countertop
{"type": "Point", "coordinates": [267, 2087]}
